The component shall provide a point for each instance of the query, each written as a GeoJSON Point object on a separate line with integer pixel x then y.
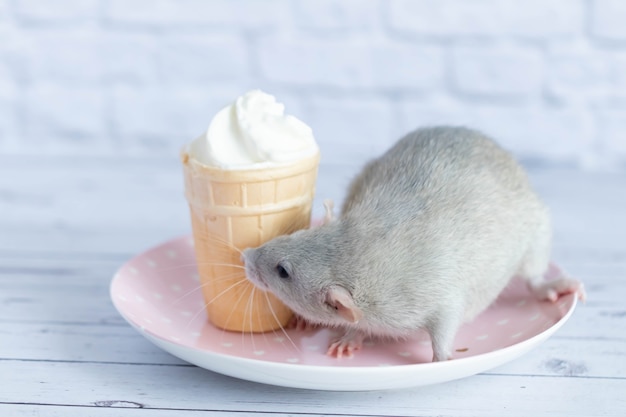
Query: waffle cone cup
{"type": "Point", "coordinates": [232, 210]}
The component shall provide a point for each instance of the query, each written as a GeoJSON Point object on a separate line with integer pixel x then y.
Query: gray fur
{"type": "Point", "coordinates": [429, 235]}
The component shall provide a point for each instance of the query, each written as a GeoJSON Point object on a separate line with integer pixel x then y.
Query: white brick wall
{"type": "Point", "coordinates": [547, 78]}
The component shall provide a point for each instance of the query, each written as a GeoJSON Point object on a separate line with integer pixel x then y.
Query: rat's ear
{"type": "Point", "coordinates": [341, 300]}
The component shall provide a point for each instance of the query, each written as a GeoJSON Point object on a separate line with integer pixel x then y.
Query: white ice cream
{"type": "Point", "coordinates": [254, 132]}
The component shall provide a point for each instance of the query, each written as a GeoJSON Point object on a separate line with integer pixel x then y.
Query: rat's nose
{"type": "Point", "coordinates": [247, 255]}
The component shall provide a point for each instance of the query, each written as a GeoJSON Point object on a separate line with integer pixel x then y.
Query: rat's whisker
{"type": "Point", "coordinates": [282, 328]}
{"type": "Point", "coordinates": [206, 304]}
{"type": "Point", "coordinates": [250, 308]}
{"type": "Point", "coordinates": [222, 278]}
{"type": "Point", "coordinates": [224, 242]}
{"type": "Point", "coordinates": [201, 264]}
{"type": "Point", "coordinates": [222, 264]}
{"type": "Point", "coordinates": [235, 306]}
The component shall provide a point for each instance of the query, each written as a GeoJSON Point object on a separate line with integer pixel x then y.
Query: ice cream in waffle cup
{"type": "Point", "coordinates": [233, 208]}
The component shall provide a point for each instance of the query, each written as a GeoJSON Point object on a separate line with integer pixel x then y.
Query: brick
{"type": "Point", "coordinates": [350, 130]}
{"type": "Point", "coordinates": [4, 11]}
{"type": "Point", "coordinates": [533, 19]}
{"type": "Point", "coordinates": [221, 13]}
{"type": "Point", "coordinates": [444, 17]}
{"type": "Point", "coordinates": [192, 59]}
{"type": "Point", "coordinates": [11, 69]}
{"type": "Point", "coordinates": [608, 19]}
{"type": "Point", "coordinates": [63, 56]}
{"type": "Point", "coordinates": [63, 119]}
{"type": "Point", "coordinates": [160, 120]}
{"type": "Point", "coordinates": [8, 112]}
{"type": "Point", "coordinates": [435, 111]}
{"type": "Point", "coordinates": [407, 67]}
{"type": "Point", "coordinates": [130, 58]}
{"type": "Point", "coordinates": [538, 132]}
{"type": "Point", "coordinates": [60, 11]}
{"type": "Point", "coordinates": [619, 72]}
{"type": "Point", "coordinates": [513, 72]}
{"type": "Point", "coordinates": [541, 19]}
{"type": "Point", "coordinates": [352, 64]}
{"type": "Point", "coordinates": [13, 46]}
{"type": "Point", "coordinates": [355, 15]}
{"type": "Point", "coordinates": [576, 73]}
{"type": "Point", "coordinates": [586, 73]}
{"type": "Point", "coordinates": [315, 63]}
{"type": "Point", "coordinates": [612, 127]}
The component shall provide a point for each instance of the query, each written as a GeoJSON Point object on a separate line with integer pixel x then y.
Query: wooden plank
{"type": "Point", "coordinates": [126, 409]}
{"type": "Point", "coordinates": [191, 388]}
{"type": "Point", "coordinates": [558, 356]}
{"type": "Point", "coordinates": [80, 343]}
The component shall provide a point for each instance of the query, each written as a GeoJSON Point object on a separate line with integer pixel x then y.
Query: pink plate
{"type": "Point", "coordinates": [158, 292]}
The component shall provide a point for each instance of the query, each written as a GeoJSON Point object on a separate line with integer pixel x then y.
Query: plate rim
{"type": "Point", "coordinates": [495, 358]}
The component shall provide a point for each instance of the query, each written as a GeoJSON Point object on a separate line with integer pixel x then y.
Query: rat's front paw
{"type": "Point", "coordinates": [345, 345]}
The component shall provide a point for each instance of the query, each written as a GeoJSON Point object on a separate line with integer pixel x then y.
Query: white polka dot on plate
{"type": "Point", "coordinates": [293, 360]}
{"type": "Point", "coordinates": [404, 354]}
{"type": "Point", "coordinates": [279, 339]}
{"type": "Point", "coordinates": [172, 254]}
{"type": "Point", "coordinates": [534, 317]}
{"type": "Point", "coordinates": [259, 352]}
{"type": "Point", "coordinates": [502, 322]}
{"type": "Point", "coordinates": [482, 337]}
{"type": "Point", "coordinates": [176, 288]}
{"type": "Point", "coordinates": [521, 303]}
{"type": "Point", "coordinates": [151, 263]}
{"type": "Point", "coordinates": [227, 344]}
{"type": "Point", "coordinates": [516, 335]}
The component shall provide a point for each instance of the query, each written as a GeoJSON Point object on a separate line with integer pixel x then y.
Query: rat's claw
{"type": "Point", "coordinates": [552, 290]}
{"type": "Point", "coordinates": [346, 345]}
{"type": "Point", "coordinates": [340, 349]}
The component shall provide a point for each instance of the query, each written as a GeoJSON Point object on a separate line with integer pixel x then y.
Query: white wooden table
{"type": "Point", "coordinates": [66, 224]}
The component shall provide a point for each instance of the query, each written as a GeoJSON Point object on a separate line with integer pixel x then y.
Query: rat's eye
{"type": "Point", "coordinates": [282, 272]}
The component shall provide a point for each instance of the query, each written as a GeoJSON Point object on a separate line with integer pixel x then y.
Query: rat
{"type": "Point", "coordinates": [428, 236]}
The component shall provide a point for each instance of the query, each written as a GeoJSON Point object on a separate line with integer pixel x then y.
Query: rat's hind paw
{"type": "Point", "coordinates": [298, 322]}
{"type": "Point", "coordinates": [552, 290]}
{"type": "Point", "coordinates": [345, 345]}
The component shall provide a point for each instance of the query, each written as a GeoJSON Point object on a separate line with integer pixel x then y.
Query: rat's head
{"type": "Point", "coordinates": [300, 269]}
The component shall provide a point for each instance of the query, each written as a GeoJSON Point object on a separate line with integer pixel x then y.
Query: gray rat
{"type": "Point", "coordinates": [429, 235]}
